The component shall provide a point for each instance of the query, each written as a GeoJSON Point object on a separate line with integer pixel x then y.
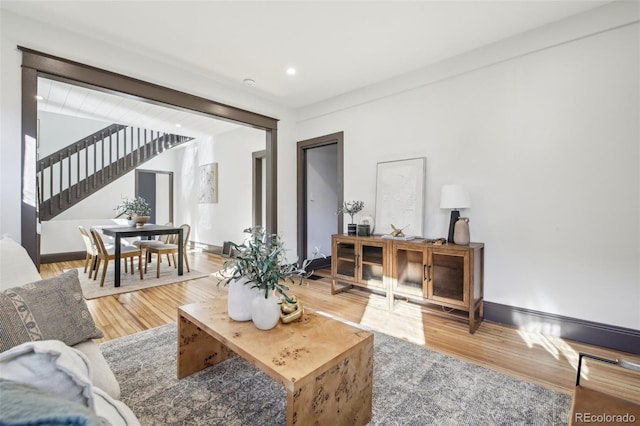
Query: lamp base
{"type": "Point", "coordinates": [455, 214]}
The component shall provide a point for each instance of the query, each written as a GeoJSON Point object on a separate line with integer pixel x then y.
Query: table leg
{"type": "Point", "coordinates": [116, 271]}
{"type": "Point", "coordinates": [197, 350]}
{"type": "Point", "coordinates": [341, 395]}
{"type": "Point", "coordinates": [180, 251]}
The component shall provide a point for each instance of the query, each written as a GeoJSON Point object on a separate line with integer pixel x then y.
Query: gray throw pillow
{"type": "Point", "coordinates": [51, 309]}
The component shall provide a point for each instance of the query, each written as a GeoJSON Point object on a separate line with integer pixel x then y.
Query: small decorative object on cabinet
{"type": "Point", "coordinates": [364, 230]}
{"type": "Point", "coordinates": [367, 219]}
{"type": "Point", "coordinates": [359, 261]}
{"type": "Point", "coordinates": [454, 197]}
{"type": "Point", "coordinates": [461, 232]}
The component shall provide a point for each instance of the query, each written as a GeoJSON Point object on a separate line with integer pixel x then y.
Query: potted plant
{"type": "Point", "coordinates": [258, 273]}
{"type": "Point", "coordinates": [351, 208]}
{"type": "Point", "coordinates": [137, 210]}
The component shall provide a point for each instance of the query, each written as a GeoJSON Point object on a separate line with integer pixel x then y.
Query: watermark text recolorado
{"type": "Point", "coordinates": [604, 418]}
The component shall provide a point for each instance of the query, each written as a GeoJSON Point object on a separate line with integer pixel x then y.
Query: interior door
{"type": "Point", "coordinates": [321, 198]}
{"type": "Point", "coordinates": [156, 187]}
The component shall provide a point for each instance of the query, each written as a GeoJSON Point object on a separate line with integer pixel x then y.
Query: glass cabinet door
{"type": "Point", "coordinates": [409, 269]}
{"type": "Point", "coordinates": [372, 265]}
{"type": "Point", "coordinates": [346, 259]}
{"type": "Point", "coordinates": [447, 277]}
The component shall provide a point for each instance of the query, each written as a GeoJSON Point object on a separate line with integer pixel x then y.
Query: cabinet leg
{"type": "Point", "coordinates": [335, 288]}
{"type": "Point", "coordinates": [474, 322]}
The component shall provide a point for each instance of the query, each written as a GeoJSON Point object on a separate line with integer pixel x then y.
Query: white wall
{"type": "Point", "coordinates": [58, 130]}
{"type": "Point", "coordinates": [547, 141]}
{"type": "Point", "coordinates": [225, 220]}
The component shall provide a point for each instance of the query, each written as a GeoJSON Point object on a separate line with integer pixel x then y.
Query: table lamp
{"type": "Point", "coordinates": [454, 197]}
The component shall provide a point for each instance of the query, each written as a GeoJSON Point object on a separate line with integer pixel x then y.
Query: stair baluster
{"type": "Point", "coordinates": [137, 148]}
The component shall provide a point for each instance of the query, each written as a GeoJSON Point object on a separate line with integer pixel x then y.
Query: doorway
{"type": "Point", "coordinates": [320, 192]}
{"type": "Point", "coordinates": [259, 187]}
{"type": "Point", "coordinates": [35, 64]}
{"type": "Point", "coordinates": [156, 187]}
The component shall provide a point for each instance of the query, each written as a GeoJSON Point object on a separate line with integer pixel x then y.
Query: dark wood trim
{"type": "Point", "coordinates": [256, 186]}
{"type": "Point", "coordinates": [63, 257]}
{"type": "Point", "coordinates": [208, 248]}
{"type": "Point", "coordinates": [301, 179]}
{"type": "Point", "coordinates": [56, 67]}
{"type": "Point", "coordinates": [36, 64]}
{"type": "Point", "coordinates": [272, 181]}
{"type": "Point", "coordinates": [608, 336]}
{"type": "Point", "coordinates": [30, 238]}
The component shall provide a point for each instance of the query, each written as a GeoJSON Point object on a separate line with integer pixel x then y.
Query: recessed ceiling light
{"type": "Point", "coordinates": [40, 98]}
{"type": "Point", "coordinates": [178, 125]}
{"type": "Point", "coordinates": [249, 82]}
{"type": "Point", "coordinates": [291, 71]}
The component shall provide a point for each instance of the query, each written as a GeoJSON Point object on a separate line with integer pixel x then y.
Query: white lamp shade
{"type": "Point", "coordinates": [454, 197]}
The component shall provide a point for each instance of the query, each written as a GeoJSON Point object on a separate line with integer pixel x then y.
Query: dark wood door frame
{"type": "Point", "coordinates": [302, 147]}
{"type": "Point", "coordinates": [256, 186]}
{"type": "Point", "coordinates": [35, 64]}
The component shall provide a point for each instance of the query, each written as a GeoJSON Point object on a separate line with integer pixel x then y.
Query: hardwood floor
{"type": "Point", "coordinates": [529, 355]}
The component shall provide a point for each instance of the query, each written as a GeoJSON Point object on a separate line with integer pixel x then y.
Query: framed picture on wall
{"type": "Point", "coordinates": [208, 190]}
{"type": "Point", "coordinates": [400, 196]}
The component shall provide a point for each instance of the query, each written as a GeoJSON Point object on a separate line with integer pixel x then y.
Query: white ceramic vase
{"type": "Point", "coordinates": [265, 312]}
{"type": "Point", "coordinates": [239, 301]}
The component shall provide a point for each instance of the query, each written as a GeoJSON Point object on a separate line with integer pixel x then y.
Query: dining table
{"type": "Point", "coordinates": [148, 231]}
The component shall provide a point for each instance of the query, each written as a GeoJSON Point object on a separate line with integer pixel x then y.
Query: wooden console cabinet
{"type": "Point", "coordinates": [359, 261]}
{"type": "Point", "coordinates": [449, 276]}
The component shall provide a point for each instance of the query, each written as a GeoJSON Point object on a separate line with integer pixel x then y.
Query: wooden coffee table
{"type": "Point", "coordinates": [326, 366]}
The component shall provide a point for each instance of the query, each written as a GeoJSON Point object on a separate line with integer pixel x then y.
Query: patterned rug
{"type": "Point", "coordinates": [412, 386]}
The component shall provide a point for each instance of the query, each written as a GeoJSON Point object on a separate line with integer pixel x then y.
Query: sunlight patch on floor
{"type": "Point", "coordinates": [403, 323]}
{"type": "Point", "coordinates": [547, 337]}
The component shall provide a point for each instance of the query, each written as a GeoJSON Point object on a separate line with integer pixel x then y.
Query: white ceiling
{"type": "Point", "coordinates": [68, 99]}
{"type": "Point", "coordinates": [335, 46]}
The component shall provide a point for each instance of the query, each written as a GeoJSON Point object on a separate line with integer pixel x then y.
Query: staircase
{"type": "Point", "coordinates": [71, 174]}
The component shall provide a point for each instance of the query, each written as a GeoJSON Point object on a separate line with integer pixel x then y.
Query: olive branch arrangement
{"type": "Point", "coordinates": [351, 208]}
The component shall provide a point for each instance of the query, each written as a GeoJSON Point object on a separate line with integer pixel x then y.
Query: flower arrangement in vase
{"type": "Point", "coordinates": [260, 272]}
{"type": "Point", "coordinates": [136, 210]}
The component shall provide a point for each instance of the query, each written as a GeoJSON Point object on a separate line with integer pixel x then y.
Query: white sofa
{"type": "Point", "coordinates": [82, 362]}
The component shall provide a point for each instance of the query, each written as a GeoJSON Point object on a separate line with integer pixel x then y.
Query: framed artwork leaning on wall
{"type": "Point", "coordinates": [400, 196]}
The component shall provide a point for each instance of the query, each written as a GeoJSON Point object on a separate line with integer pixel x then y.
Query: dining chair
{"type": "Point", "coordinates": [170, 248]}
{"type": "Point", "coordinates": [167, 239]}
{"type": "Point", "coordinates": [105, 255]}
{"type": "Point", "coordinates": [92, 251]}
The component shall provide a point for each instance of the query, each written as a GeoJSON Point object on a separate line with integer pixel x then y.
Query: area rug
{"type": "Point", "coordinates": [168, 275]}
{"type": "Point", "coordinates": [412, 385]}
